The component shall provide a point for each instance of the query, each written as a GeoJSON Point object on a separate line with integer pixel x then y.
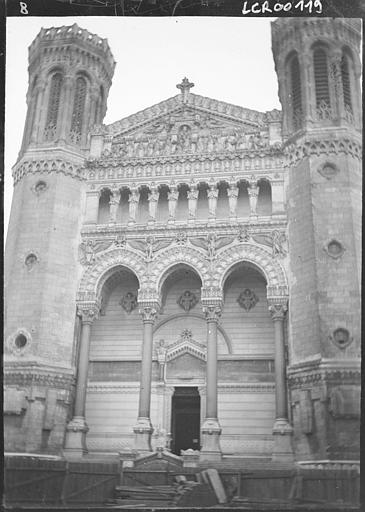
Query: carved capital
{"type": "Point", "coordinates": [278, 311]}
{"type": "Point", "coordinates": [212, 313]}
{"type": "Point", "coordinates": [88, 312]}
{"type": "Point", "coordinates": [148, 313]}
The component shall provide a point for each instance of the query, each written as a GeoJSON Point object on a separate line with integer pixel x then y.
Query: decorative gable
{"type": "Point", "coordinates": [186, 345]}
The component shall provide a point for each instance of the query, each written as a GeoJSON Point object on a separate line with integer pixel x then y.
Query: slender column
{"type": "Point", "coordinates": [211, 429]}
{"type": "Point", "coordinates": [152, 203]}
{"type": "Point", "coordinates": [282, 429]}
{"type": "Point", "coordinates": [172, 198]}
{"type": "Point", "coordinates": [253, 192]}
{"type": "Point", "coordinates": [232, 193]}
{"type": "Point", "coordinates": [192, 202]}
{"type": "Point", "coordinates": [133, 205]}
{"type": "Point", "coordinates": [114, 203]}
{"type": "Point", "coordinates": [212, 201]}
{"type": "Point", "coordinates": [75, 442]}
{"type": "Point", "coordinates": [143, 429]}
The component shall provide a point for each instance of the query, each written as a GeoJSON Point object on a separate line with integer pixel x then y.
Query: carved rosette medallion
{"type": "Point", "coordinates": [341, 337]}
{"type": "Point", "coordinates": [328, 170]}
{"type": "Point", "coordinates": [247, 299]}
{"type": "Point", "coordinates": [187, 300]}
{"type": "Point", "coordinates": [128, 302]}
{"type": "Point", "coordinates": [334, 249]}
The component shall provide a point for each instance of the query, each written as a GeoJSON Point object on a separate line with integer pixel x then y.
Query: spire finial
{"type": "Point", "coordinates": [185, 87]}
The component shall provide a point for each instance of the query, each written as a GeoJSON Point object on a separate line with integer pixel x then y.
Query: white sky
{"type": "Point", "coordinates": [228, 59]}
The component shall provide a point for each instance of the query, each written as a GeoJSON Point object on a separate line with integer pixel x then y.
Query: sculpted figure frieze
{"type": "Point", "coordinates": [187, 131]}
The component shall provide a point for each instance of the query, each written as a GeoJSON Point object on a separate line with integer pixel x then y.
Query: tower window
{"type": "Point", "coordinates": [346, 83]}
{"type": "Point", "coordinates": [53, 106]}
{"type": "Point", "coordinates": [296, 92]}
{"type": "Point", "coordinates": [78, 109]}
{"type": "Point", "coordinates": [323, 103]}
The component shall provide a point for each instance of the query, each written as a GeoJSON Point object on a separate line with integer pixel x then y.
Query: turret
{"type": "Point", "coordinates": [70, 72]}
{"type": "Point", "coordinates": [318, 68]}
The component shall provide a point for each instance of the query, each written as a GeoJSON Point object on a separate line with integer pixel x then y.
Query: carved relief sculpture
{"type": "Point", "coordinates": [187, 300]}
{"type": "Point", "coordinates": [247, 299]}
{"type": "Point", "coordinates": [128, 302]}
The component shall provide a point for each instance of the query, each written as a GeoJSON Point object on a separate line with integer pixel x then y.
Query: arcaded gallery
{"type": "Point", "coordinates": [186, 280]}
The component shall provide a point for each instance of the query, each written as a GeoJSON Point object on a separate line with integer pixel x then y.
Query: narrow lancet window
{"type": "Point", "coordinates": [296, 92]}
{"type": "Point", "coordinates": [346, 83]}
{"type": "Point", "coordinates": [323, 102]}
{"type": "Point", "coordinates": [53, 106]}
{"type": "Point", "coordinates": [78, 110]}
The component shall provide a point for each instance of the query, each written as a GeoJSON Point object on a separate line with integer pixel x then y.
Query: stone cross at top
{"type": "Point", "coordinates": [185, 87]}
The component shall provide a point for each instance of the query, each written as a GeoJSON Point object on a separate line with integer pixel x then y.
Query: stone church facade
{"type": "Point", "coordinates": [189, 276]}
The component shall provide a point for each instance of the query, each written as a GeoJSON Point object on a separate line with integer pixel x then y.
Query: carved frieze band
{"type": "Point", "coordinates": [48, 166]}
{"type": "Point", "coordinates": [296, 152]}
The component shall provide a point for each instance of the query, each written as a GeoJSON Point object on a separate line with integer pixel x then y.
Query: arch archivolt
{"type": "Point", "coordinates": [173, 256]}
{"type": "Point", "coordinates": [271, 268]}
{"type": "Point", "coordinates": [151, 275]}
{"type": "Point", "coordinates": [106, 263]}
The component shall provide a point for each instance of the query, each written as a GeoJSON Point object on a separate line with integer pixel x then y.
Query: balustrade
{"type": "Point", "coordinates": [186, 202]}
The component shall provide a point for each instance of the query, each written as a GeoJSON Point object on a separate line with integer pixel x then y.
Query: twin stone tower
{"type": "Point", "coordinates": [318, 139]}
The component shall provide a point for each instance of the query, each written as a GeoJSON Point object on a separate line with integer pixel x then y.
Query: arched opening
{"type": "Point", "coordinates": [346, 82]}
{"type": "Point", "coordinates": [245, 317]}
{"type": "Point", "coordinates": [222, 203]}
{"type": "Point", "coordinates": [264, 201]}
{"type": "Point", "coordinates": [295, 91]}
{"type": "Point", "coordinates": [163, 204]}
{"type": "Point", "coordinates": [182, 211]}
{"type": "Point", "coordinates": [243, 204]}
{"type": "Point", "coordinates": [55, 89]}
{"type": "Point", "coordinates": [104, 206]}
{"type": "Point", "coordinates": [123, 208]}
{"type": "Point", "coordinates": [114, 360]}
{"type": "Point", "coordinates": [143, 211]}
{"type": "Point", "coordinates": [202, 211]}
{"type": "Point", "coordinates": [77, 117]}
{"type": "Point", "coordinates": [320, 68]}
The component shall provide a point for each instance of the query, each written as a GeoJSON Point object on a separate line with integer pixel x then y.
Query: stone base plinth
{"type": "Point", "coordinates": [190, 458]}
{"type": "Point", "coordinates": [75, 441]}
{"type": "Point", "coordinates": [142, 435]}
{"type": "Point", "coordinates": [211, 432]}
{"type": "Point", "coordinates": [127, 458]}
{"type": "Point", "coordinates": [283, 433]}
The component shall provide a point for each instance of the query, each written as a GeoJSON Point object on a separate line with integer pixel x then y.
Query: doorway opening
{"type": "Point", "coordinates": [185, 419]}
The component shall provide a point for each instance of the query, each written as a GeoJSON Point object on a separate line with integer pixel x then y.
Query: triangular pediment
{"type": "Point", "coordinates": [221, 113]}
{"type": "Point", "coordinates": [187, 125]}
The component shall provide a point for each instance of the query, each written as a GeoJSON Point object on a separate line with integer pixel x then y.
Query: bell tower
{"type": "Point", "coordinates": [318, 68]}
{"type": "Point", "coordinates": [70, 73]}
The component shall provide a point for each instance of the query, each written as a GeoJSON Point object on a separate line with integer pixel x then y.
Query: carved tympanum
{"type": "Point", "coordinates": [187, 300]}
{"type": "Point", "coordinates": [247, 299]}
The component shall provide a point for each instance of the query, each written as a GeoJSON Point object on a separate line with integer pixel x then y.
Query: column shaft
{"type": "Point", "coordinates": [212, 396]}
{"type": "Point", "coordinates": [146, 371]}
{"type": "Point", "coordinates": [82, 371]}
{"type": "Point", "coordinates": [280, 380]}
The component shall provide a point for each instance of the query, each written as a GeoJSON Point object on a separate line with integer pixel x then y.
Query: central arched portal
{"type": "Point", "coordinates": [245, 362]}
